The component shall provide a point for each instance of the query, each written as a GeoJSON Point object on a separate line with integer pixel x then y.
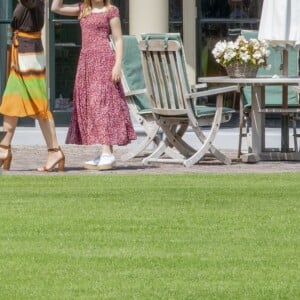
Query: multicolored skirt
{"type": "Point", "coordinates": [25, 94]}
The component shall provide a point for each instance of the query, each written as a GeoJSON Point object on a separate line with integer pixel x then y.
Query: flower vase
{"type": "Point", "coordinates": [237, 70]}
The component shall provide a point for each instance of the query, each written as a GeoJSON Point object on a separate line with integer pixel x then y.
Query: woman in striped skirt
{"type": "Point", "coordinates": [25, 93]}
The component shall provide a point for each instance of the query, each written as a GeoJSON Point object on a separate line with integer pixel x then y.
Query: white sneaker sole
{"type": "Point", "coordinates": [92, 164]}
{"type": "Point", "coordinates": [90, 167]}
{"type": "Point", "coordinates": [106, 167]}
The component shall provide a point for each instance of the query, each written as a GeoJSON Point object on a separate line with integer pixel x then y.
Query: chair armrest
{"type": "Point", "coordinates": [198, 86]}
{"type": "Point", "coordinates": [215, 91]}
{"type": "Point", "coordinates": [135, 92]}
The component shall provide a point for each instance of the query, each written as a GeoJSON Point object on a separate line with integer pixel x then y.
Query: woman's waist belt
{"type": "Point", "coordinates": [15, 44]}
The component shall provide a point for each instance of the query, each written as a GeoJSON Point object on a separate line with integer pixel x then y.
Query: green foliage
{"type": "Point", "coordinates": [150, 237]}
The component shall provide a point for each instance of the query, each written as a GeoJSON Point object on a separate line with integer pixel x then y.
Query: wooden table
{"type": "Point", "coordinates": [258, 113]}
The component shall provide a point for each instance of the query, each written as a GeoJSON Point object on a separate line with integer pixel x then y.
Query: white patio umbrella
{"type": "Point", "coordinates": [280, 25]}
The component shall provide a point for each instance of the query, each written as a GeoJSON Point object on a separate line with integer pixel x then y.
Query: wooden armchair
{"type": "Point", "coordinates": [174, 105]}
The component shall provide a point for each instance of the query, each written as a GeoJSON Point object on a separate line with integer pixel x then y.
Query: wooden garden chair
{"type": "Point", "coordinates": [174, 105]}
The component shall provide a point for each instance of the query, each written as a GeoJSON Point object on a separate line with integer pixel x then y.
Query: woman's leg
{"type": "Point", "coordinates": [107, 149]}
{"type": "Point", "coordinates": [9, 125]}
{"type": "Point", "coordinates": [93, 164]}
{"type": "Point", "coordinates": [107, 160]}
{"type": "Point", "coordinates": [48, 130]}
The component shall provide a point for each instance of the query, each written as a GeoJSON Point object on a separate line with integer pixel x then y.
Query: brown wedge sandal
{"type": "Point", "coordinates": [60, 162]}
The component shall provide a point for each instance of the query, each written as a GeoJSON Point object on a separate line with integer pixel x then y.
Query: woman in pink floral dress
{"type": "Point", "coordinates": [100, 114]}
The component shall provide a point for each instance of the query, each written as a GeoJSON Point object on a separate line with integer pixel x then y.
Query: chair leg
{"type": "Point", "coordinates": [208, 140]}
{"type": "Point", "coordinates": [241, 124]}
{"type": "Point", "coordinates": [179, 143]}
{"type": "Point", "coordinates": [248, 134]}
{"type": "Point", "coordinates": [151, 137]}
{"type": "Point", "coordinates": [207, 146]}
{"type": "Point", "coordinates": [294, 122]}
{"type": "Point", "coordinates": [174, 135]}
{"type": "Point", "coordinates": [163, 147]}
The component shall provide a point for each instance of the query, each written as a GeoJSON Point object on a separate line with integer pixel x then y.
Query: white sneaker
{"type": "Point", "coordinates": [107, 162]}
{"type": "Point", "coordinates": [92, 164]}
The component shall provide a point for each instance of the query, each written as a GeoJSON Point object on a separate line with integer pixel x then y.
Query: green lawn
{"type": "Point", "coordinates": [150, 237]}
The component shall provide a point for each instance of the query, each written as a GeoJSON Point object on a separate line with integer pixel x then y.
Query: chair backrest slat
{"type": "Point", "coordinates": [177, 80]}
{"type": "Point", "coordinates": [160, 71]}
{"type": "Point", "coordinates": [165, 77]}
{"type": "Point", "coordinates": [152, 80]}
{"type": "Point", "coordinates": [168, 97]}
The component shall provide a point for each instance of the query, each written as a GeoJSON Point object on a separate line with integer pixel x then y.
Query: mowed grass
{"type": "Point", "coordinates": [150, 237]}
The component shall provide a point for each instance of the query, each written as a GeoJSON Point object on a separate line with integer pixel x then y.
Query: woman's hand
{"type": "Point", "coordinates": [116, 74]}
{"type": "Point", "coordinates": [116, 31]}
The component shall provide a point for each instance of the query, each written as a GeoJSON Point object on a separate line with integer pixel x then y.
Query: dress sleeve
{"type": "Point", "coordinates": [29, 3]}
{"type": "Point", "coordinates": [113, 12]}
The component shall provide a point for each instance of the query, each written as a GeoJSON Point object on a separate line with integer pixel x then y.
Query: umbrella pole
{"type": "Point", "coordinates": [284, 118]}
{"type": "Point", "coordinates": [285, 62]}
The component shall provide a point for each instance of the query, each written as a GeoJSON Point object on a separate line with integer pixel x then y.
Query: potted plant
{"type": "Point", "coordinates": [241, 57]}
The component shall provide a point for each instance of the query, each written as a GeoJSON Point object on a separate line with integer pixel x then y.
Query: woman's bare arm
{"type": "Point", "coordinates": [116, 31]}
{"type": "Point", "coordinates": [65, 9]}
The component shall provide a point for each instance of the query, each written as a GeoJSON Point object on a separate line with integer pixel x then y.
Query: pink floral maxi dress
{"type": "Point", "coordinates": [100, 114]}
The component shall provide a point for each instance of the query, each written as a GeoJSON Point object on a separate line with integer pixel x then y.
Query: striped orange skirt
{"type": "Point", "coordinates": [25, 94]}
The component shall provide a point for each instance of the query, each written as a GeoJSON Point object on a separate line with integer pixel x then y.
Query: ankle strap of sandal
{"type": "Point", "coordinates": [54, 149]}
{"type": "Point", "coordinates": [5, 147]}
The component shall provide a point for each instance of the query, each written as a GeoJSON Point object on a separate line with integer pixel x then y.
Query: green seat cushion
{"type": "Point", "coordinates": [203, 110]}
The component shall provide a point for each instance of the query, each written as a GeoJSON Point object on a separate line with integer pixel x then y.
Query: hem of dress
{"type": "Point", "coordinates": [44, 115]}
{"type": "Point", "coordinates": [98, 144]}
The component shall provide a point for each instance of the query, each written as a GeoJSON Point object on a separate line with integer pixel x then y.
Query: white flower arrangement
{"type": "Point", "coordinates": [251, 52]}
